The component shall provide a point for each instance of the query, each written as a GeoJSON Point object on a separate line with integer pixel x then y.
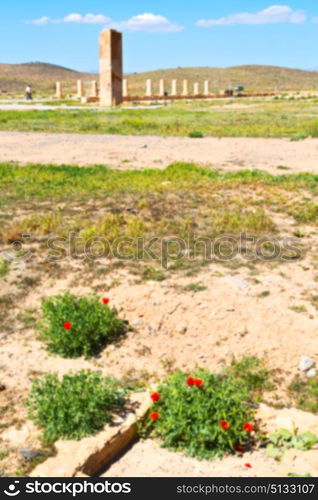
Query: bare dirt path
{"type": "Point", "coordinates": [149, 151]}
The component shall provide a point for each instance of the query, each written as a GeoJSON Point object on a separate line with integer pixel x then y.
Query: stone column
{"type": "Point", "coordinates": [161, 87]}
{"type": "Point", "coordinates": [94, 89]}
{"type": "Point", "coordinates": [125, 88]}
{"type": "Point", "coordinates": [206, 87]}
{"type": "Point", "coordinates": [80, 92]}
{"type": "Point", "coordinates": [185, 87]}
{"type": "Point", "coordinates": [174, 90]}
{"type": "Point", "coordinates": [111, 68]}
{"type": "Point", "coordinates": [196, 90]}
{"type": "Point", "coordinates": [149, 88]}
{"type": "Point", "coordinates": [58, 91]}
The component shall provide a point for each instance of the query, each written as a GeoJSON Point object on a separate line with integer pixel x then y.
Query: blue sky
{"type": "Point", "coordinates": [162, 34]}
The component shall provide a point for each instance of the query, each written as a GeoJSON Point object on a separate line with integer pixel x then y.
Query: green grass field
{"type": "Point", "coordinates": [239, 118]}
{"type": "Point", "coordinates": [182, 200]}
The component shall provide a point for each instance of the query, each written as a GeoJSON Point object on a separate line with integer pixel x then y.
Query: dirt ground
{"type": "Point", "coordinates": [148, 459]}
{"type": "Point", "coordinates": [266, 311]}
{"type": "Point", "coordinates": [148, 151]}
{"type": "Point", "coordinates": [171, 329]}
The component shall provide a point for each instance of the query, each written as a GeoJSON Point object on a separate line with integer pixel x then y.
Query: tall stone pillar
{"type": "Point", "coordinates": [174, 87]}
{"type": "Point", "coordinates": [196, 90]}
{"type": "Point", "coordinates": [161, 87]}
{"type": "Point", "coordinates": [125, 88]}
{"type": "Point", "coordinates": [111, 68]}
{"type": "Point", "coordinates": [80, 92]}
{"type": "Point", "coordinates": [58, 90]}
{"type": "Point", "coordinates": [94, 91]}
{"type": "Point", "coordinates": [149, 88]}
{"type": "Point", "coordinates": [185, 89]}
{"type": "Point", "coordinates": [206, 87]}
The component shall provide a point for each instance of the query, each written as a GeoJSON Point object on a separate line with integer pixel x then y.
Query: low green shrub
{"type": "Point", "coordinates": [78, 405]}
{"type": "Point", "coordinates": [78, 326]}
{"type": "Point", "coordinates": [195, 134]}
{"type": "Point", "coordinates": [206, 416]}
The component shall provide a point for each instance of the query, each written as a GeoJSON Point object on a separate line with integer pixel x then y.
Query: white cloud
{"type": "Point", "coordinates": [87, 18]}
{"type": "Point", "coordinates": [142, 22]}
{"type": "Point", "coordinates": [273, 14]}
{"type": "Point", "coordinates": [148, 22]}
{"type": "Point", "coordinates": [74, 18]}
{"type": "Point", "coordinates": [41, 20]}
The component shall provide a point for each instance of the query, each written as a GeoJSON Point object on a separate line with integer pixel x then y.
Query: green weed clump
{"type": "Point", "coordinates": [254, 375]}
{"type": "Point", "coordinates": [4, 267]}
{"type": "Point", "coordinates": [78, 405]}
{"type": "Point", "coordinates": [206, 416]}
{"type": "Point", "coordinates": [195, 134]}
{"type": "Point", "coordinates": [284, 439]}
{"type": "Point", "coordinates": [78, 326]}
{"type": "Point", "coordinates": [305, 393]}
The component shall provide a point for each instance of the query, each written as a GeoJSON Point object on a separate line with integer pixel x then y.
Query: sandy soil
{"type": "Point", "coordinates": [148, 151]}
{"type": "Point", "coordinates": [148, 459]}
{"type": "Point", "coordinates": [171, 329]}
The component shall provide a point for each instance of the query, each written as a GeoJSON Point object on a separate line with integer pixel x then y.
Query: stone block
{"type": "Point", "coordinates": [111, 68]}
{"type": "Point", "coordinates": [90, 454]}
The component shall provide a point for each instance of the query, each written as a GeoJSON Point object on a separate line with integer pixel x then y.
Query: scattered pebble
{"type": "Point", "coordinates": [306, 363]}
{"type": "Point", "coordinates": [182, 329]}
{"type": "Point", "coordinates": [137, 322]}
{"type": "Point", "coordinates": [30, 455]}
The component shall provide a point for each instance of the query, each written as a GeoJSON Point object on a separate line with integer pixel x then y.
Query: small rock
{"type": "Point", "coordinates": [30, 455]}
{"type": "Point", "coordinates": [144, 146]}
{"type": "Point", "coordinates": [137, 322]}
{"type": "Point", "coordinates": [305, 363]}
{"type": "Point", "coordinates": [2, 387]}
{"type": "Point", "coordinates": [182, 329]}
{"type": "Point", "coordinates": [204, 305]}
{"type": "Point", "coordinates": [237, 282]}
{"type": "Point", "coordinates": [311, 373]}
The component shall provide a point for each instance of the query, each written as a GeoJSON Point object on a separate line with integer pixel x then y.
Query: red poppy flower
{"type": "Point", "coordinates": [154, 415]}
{"type": "Point", "coordinates": [198, 382]}
{"type": "Point", "coordinates": [239, 448]}
{"type": "Point", "coordinates": [224, 425]}
{"type": "Point", "coordinates": [155, 396]}
{"type": "Point", "coordinates": [105, 300]}
{"type": "Point", "coordinates": [248, 466]}
{"type": "Point", "coordinates": [248, 427]}
{"type": "Point", "coordinates": [190, 381]}
{"type": "Point", "coordinates": [67, 325]}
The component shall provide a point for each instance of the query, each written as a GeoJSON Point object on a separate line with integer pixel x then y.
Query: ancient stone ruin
{"type": "Point", "coordinates": [111, 68]}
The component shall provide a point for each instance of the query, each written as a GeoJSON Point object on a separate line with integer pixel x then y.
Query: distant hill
{"type": "Point", "coordinates": [42, 77]}
{"type": "Point", "coordinates": [252, 77]}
